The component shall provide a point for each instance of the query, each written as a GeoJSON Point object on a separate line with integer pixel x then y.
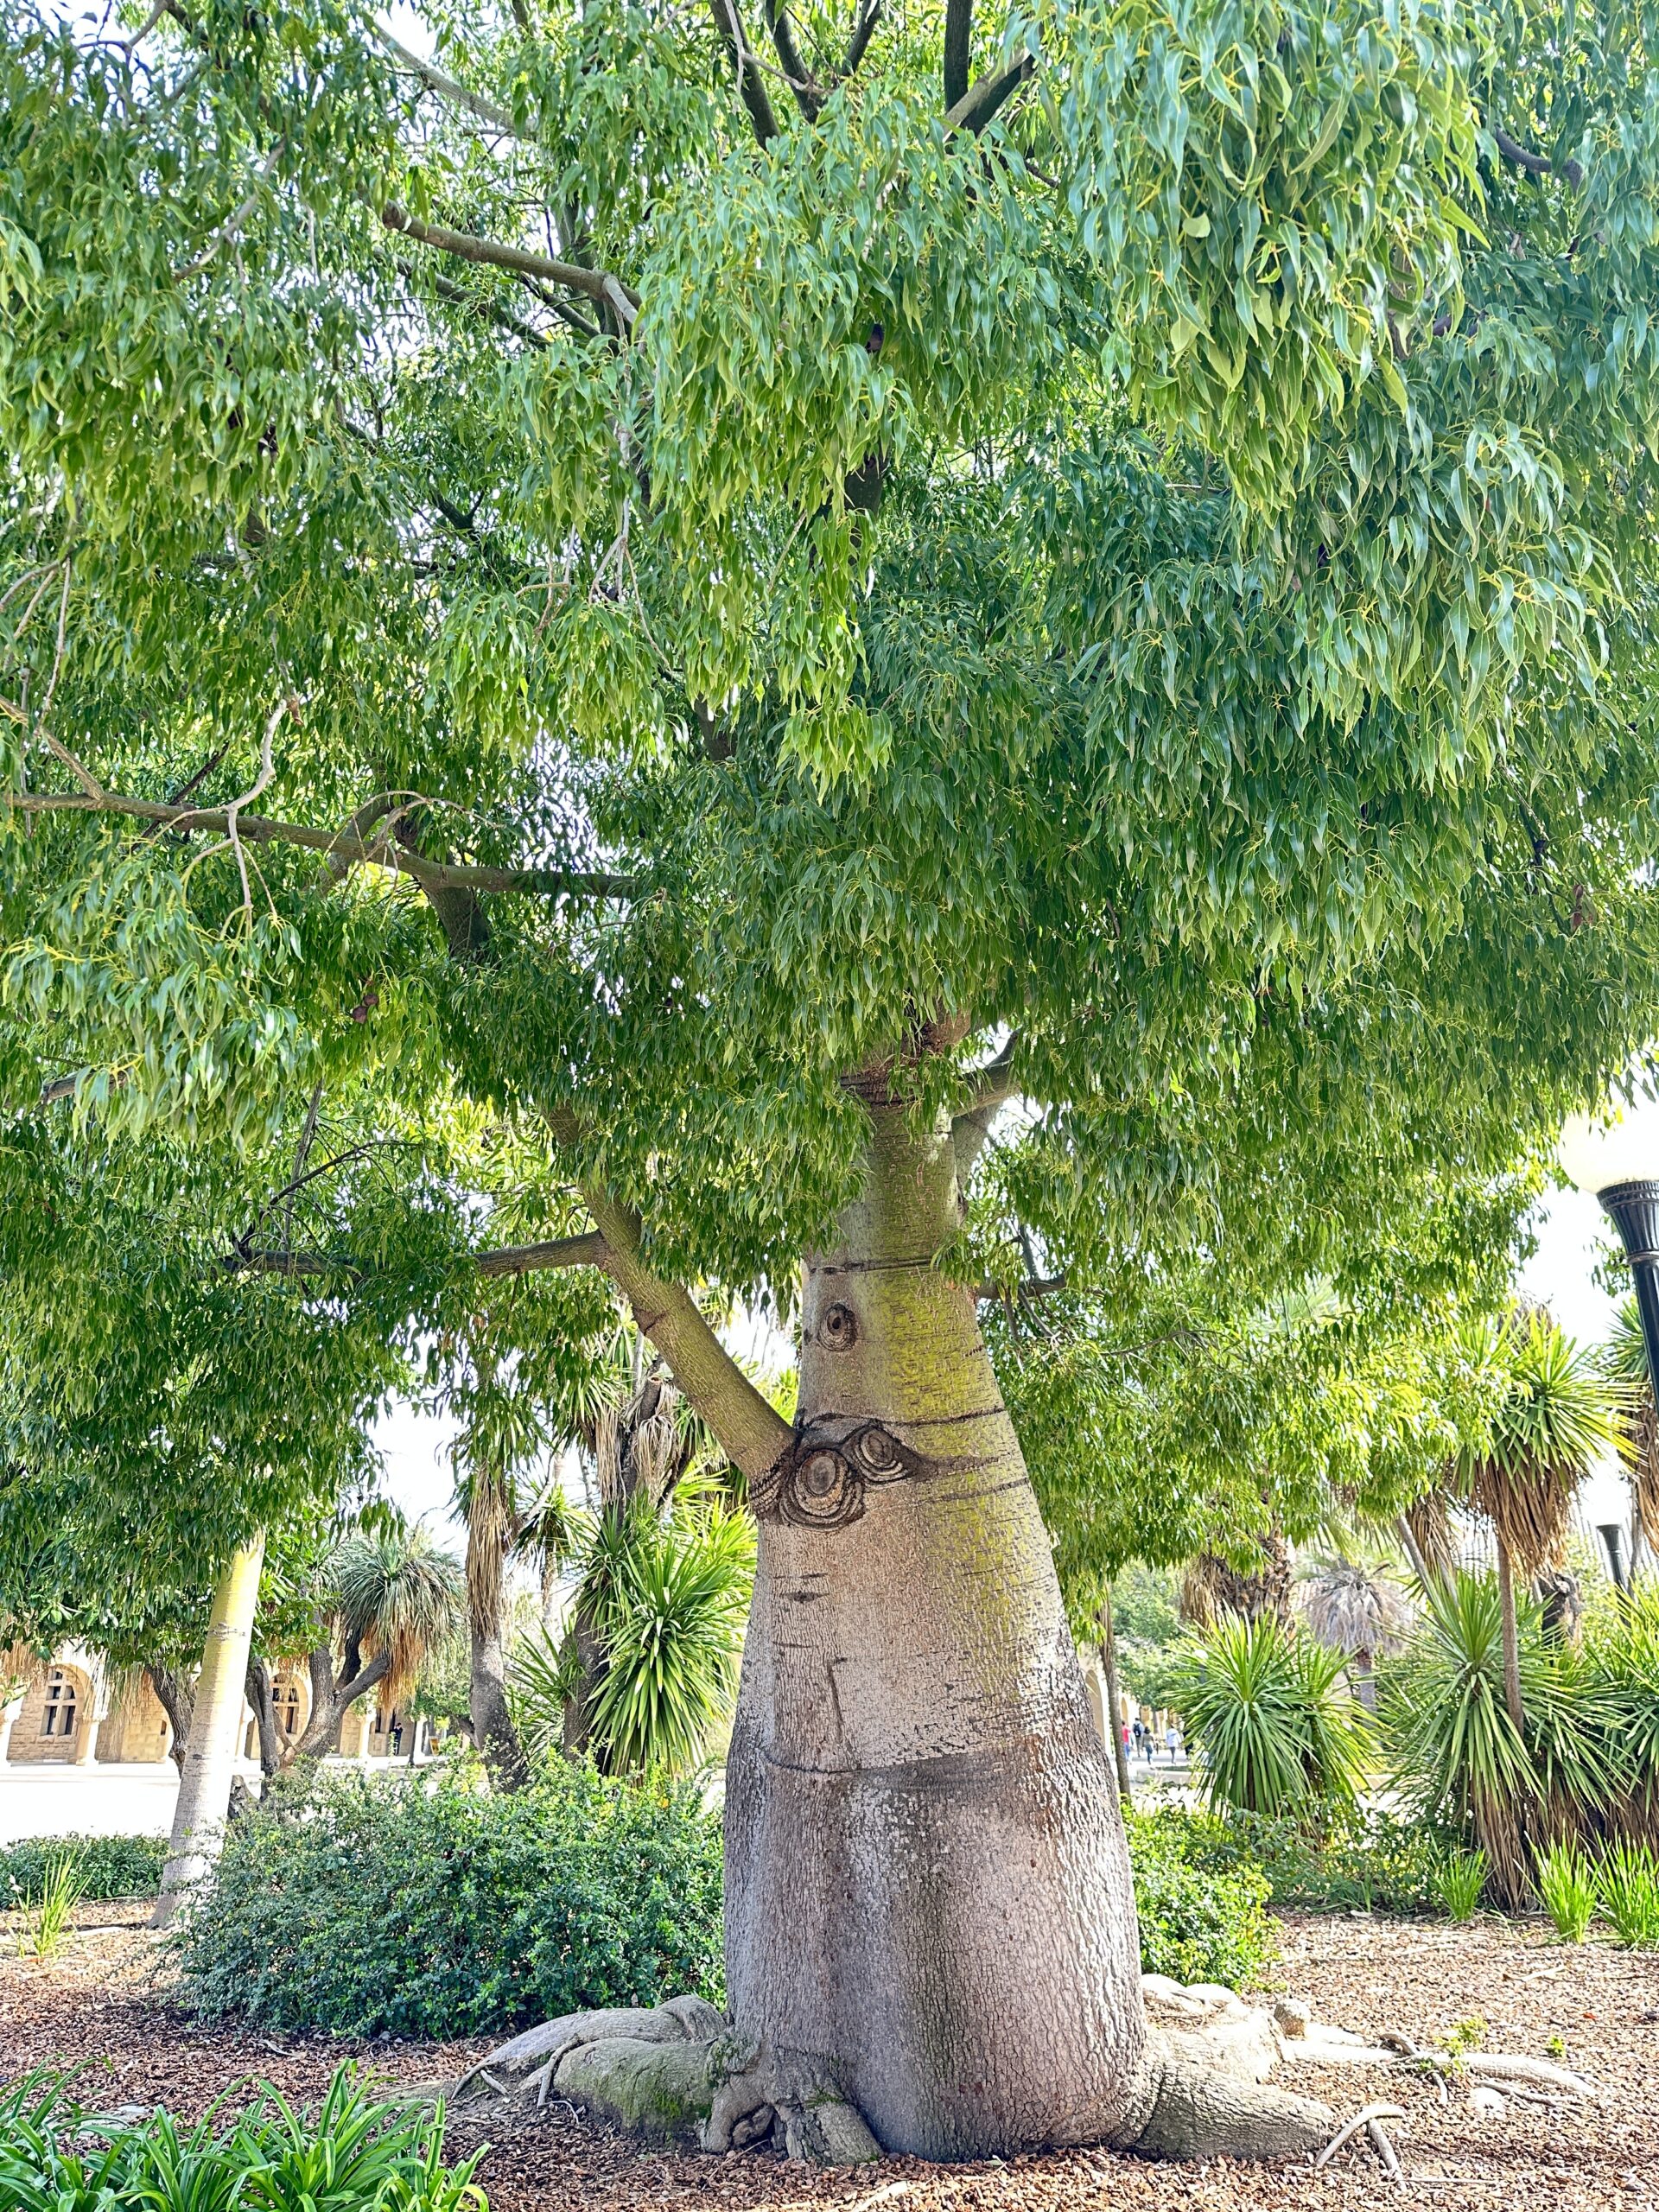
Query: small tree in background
{"type": "Point", "coordinates": [1555, 1415]}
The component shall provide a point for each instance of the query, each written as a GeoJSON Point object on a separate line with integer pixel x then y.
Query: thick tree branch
{"type": "Point", "coordinates": [981, 100]}
{"type": "Point", "coordinates": [587, 1251]}
{"type": "Point", "coordinates": [1032, 1287]}
{"type": "Point", "coordinates": [751, 1431]}
{"type": "Point", "coordinates": [474, 104]}
{"type": "Point", "coordinates": [863, 32]}
{"type": "Point", "coordinates": [1522, 157]}
{"type": "Point", "coordinates": [958, 28]}
{"type": "Point", "coordinates": [348, 843]}
{"type": "Point", "coordinates": [992, 1087]}
{"type": "Point", "coordinates": [596, 284]}
{"type": "Point", "coordinates": [809, 95]}
{"type": "Point", "coordinates": [750, 83]}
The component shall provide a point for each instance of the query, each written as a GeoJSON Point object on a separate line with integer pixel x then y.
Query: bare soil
{"type": "Point", "coordinates": [104, 2002]}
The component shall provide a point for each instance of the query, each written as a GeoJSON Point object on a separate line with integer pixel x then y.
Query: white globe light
{"type": "Point", "coordinates": [1619, 1146]}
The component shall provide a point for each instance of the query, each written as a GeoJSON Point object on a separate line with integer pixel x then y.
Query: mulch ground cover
{"type": "Point", "coordinates": [104, 2002]}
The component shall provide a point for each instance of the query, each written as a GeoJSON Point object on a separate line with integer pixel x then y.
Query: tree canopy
{"type": "Point", "coordinates": [606, 586]}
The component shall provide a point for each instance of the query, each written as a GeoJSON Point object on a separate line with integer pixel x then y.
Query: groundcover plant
{"type": "Point", "coordinates": [731, 592]}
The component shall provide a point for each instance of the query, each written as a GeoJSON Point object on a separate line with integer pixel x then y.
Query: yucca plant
{"type": "Point", "coordinates": [1457, 1753]}
{"type": "Point", "coordinates": [1557, 1413]}
{"type": "Point", "coordinates": [1275, 1733]}
{"type": "Point", "coordinates": [1628, 1885]}
{"type": "Point", "coordinates": [662, 1599]}
{"type": "Point", "coordinates": [352, 2154]}
{"type": "Point", "coordinates": [1621, 1647]}
{"type": "Point", "coordinates": [1566, 1883]}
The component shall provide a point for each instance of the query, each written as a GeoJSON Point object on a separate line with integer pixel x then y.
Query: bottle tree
{"type": "Point", "coordinates": [750, 586]}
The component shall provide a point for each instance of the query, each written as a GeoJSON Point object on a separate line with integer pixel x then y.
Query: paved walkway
{"type": "Point", "coordinates": [87, 1801]}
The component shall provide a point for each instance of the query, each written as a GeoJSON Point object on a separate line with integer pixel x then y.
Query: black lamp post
{"type": "Point", "coordinates": [1610, 1161]}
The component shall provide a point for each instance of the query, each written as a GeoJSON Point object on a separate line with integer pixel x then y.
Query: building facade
{"type": "Point", "coordinates": [75, 1713]}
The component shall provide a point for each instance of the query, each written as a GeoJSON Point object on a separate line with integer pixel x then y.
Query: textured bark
{"type": "Point", "coordinates": [176, 1699]}
{"type": "Point", "coordinates": [926, 1878]}
{"type": "Point", "coordinates": [209, 1766]}
{"type": "Point", "coordinates": [491, 1527]}
{"type": "Point", "coordinates": [265, 1715]}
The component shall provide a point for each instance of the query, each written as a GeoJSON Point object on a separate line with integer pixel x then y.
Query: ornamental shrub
{"type": "Point", "coordinates": [110, 1865]}
{"type": "Point", "coordinates": [1345, 1861]}
{"type": "Point", "coordinates": [422, 1907]}
{"type": "Point", "coordinates": [1199, 1922]}
{"type": "Point", "coordinates": [350, 2154]}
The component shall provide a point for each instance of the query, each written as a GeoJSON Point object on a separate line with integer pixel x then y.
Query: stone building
{"type": "Point", "coordinates": [75, 1713]}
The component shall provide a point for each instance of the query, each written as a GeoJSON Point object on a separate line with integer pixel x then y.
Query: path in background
{"type": "Point", "coordinates": [87, 1801]}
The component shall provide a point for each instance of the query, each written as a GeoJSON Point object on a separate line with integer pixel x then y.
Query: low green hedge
{"type": "Point", "coordinates": [1198, 1921]}
{"type": "Point", "coordinates": [431, 1908]}
{"type": "Point", "coordinates": [110, 1866]}
{"type": "Point", "coordinates": [1366, 1862]}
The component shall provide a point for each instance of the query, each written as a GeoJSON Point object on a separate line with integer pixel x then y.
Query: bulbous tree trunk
{"type": "Point", "coordinates": [926, 1875]}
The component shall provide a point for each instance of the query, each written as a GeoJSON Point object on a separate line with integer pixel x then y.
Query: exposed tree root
{"type": "Point", "coordinates": [679, 2074]}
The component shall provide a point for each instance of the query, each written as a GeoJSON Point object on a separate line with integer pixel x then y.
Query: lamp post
{"type": "Point", "coordinates": [1616, 1161]}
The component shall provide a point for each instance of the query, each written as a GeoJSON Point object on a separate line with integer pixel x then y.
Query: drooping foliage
{"type": "Point", "coordinates": [584, 589]}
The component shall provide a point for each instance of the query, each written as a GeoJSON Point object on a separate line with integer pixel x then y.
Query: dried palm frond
{"type": "Point", "coordinates": [1356, 1610]}
{"type": "Point", "coordinates": [1213, 1587]}
{"type": "Point", "coordinates": [1428, 1519]}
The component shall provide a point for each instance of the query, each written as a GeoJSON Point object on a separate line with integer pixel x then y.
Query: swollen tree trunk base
{"type": "Point", "coordinates": [680, 2075]}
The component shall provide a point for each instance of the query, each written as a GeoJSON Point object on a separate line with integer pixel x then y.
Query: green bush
{"type": "Point", "coordinates": [350, 2155]}
{"type": "Point", "coordinates": [110, 1866]}
{"type": "Point", "coordinates": [1273, 1733]}
{"type": "Point", "coordinates": [398, 1904]}
{"type": "Point", "coordinates": [1459, 1880]}
{"type": "Point", "coordinates": [1343, 1861]}
{"type": "Point", "coordinates": [1199, 1922]}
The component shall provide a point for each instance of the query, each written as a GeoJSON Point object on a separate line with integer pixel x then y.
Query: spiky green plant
{"type": "Point", "coordinates": [351, 2154]}
{"type": "Point", "coordinates": [1628, 1884]}
{"type": "Point", "coordinates": [1456, 1752]}
{"type": "Point", "coordinates": [397, 1591]}
{"type": "Point", "coordinates": [1274, 1733]}
{"type": "Point", "coordinates": [1566, 1883]}
{"type": "Point", "coordinates": [1459, 1880]}
{"type": "Point", "coordinates": [665, 1597]}
{"type": "Point", "coordinates": [1556, 1414]}
{"type": "Point", "coordinates": [47, 1922]}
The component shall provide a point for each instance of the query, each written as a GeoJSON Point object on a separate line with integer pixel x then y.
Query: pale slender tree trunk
{"type": "Point", "coordinates": [926, 1879]}
{"type": "Point", "coordinates": [1114, 1696]}
{"type": "Point", "coordinates": [1511, 1636]}
{"type": "Point", "coordinates": [215, 1727]}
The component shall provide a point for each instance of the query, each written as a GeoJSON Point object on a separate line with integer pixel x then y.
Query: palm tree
{"type": "Point", "coordinates": [1556, 1414]}
{"type": "Point", "coordinates": [391, 1595]}
{"type": "Point", "coordinates": [1356, 1608]}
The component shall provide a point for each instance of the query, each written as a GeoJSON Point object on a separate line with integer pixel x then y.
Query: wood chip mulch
{"type": "Point", "coordinates": [104, 2002]}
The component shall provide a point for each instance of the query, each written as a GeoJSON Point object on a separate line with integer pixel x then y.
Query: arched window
{"type": "Point", "coordinates": [58, 1718]}
{"type": "Point", "coordinates": [286, 1699]}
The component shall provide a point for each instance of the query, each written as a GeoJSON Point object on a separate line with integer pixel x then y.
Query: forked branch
{"type": "Point", "coordinates": [350, 845]}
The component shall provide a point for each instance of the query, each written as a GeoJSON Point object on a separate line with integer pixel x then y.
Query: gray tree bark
{"type": "Point", "coordinates": [926, 1875]}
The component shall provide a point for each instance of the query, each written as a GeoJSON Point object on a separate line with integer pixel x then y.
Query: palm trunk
{"type": "Point", "coordinates": [215, 1725]}
{"type": "Point", "coordinates": [1114, 1697]}
{"type": "Point", "coordinates": [488, 1532]}
{"type": "Point", "coordinates": [1362, 1674]}
{"type": "Point", "coordinates": [925, 1873]}
{"type": "Point", "coordinates": [1511, 1638]}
